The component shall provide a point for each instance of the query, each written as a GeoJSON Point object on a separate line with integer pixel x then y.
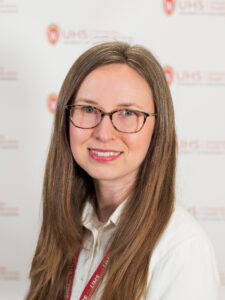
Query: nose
{"type": "Point", "coordinates": [105, 130]}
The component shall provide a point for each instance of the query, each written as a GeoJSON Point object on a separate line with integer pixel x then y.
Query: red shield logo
{"type": "Point", "coordinates": [169, 73]}
{"type": "Point", "coordinates": [53, 34]}
{"type": "Point", "coordinates": [169, 6]}
{"type": "Point", "coordinates": [52, 102]}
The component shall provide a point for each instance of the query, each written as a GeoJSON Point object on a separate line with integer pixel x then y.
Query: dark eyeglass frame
{"type": "Point", "coordinates": [110, 114]}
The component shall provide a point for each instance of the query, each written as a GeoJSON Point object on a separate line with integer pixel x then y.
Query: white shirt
{"type": "Point", "coordinates": [183, 264]}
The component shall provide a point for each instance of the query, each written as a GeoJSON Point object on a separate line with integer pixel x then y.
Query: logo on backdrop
{"type": "Point", "coordinates": [168, 70]}
{"type": "Point", "coordinates": [6, 274]}
{"type": "Point", "coordinates": [8, 143]}
{"type": "Point", "coordinates": [52, 102]}
{"type": "Point", "coordinates": [8, 6]}
{"type": "Point", "coordinates": [7, 74]}
{"type": "Point", "coordinates": [207, 212]}
{"type": "Point", "coordinates": [53, 33]}
{"type": "Point", "coordinates": [82, 35]}
{"type": "Point", "coordinates": [196, 146]}
{"type": "Point", "coordinates": [222, 278]}
{"type": "Point", "coordinates": [194, 77]}
{"type": "Point", "coordinates": [169, 6]}
{"type": "Point", "coordinates": [194, 7]}
{"type": "Point", "coordinates": [8, 210]}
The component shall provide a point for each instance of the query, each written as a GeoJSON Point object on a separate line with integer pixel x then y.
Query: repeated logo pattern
{"type": "Point", "coordinates": [194, 7]}
{"type": "Point", "coordinates": [52, 102]}
{"type": "Point", "coordinates": [75, 36]}
{"type": "Point", "coordinates": [53, 33]}
{"type": "Point", "coordinates": [198, 146]}
{"type": "Point", "coordinates": [207, 212]}
{"type": "Point", "coordinates": [194, 77]}
{"type": "Point", "coordinates": [7, 274]}
{"type": "Point", "coordinates": [8, 143]}
{"type": "Point", "coordinates": [169, 6]}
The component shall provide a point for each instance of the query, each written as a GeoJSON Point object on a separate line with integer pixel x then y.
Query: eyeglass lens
{"type": "Point", "coordinates": [124, 120]}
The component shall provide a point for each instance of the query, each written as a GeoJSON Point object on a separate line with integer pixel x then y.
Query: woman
{"type": "Point", "coordinates": [111, 228]}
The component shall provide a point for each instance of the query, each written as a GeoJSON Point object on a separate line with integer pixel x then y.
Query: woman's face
{"type": "Point", "coordinates": [112, 87]}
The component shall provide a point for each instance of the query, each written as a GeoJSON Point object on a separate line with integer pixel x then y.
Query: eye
{"type": "Point", "coordinates": [89, 109]}
{"type": "Point", "coordinates": [127, 112]}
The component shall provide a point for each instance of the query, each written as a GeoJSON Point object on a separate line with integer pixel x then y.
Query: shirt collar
{"type": "Point", "coordinates": [90, 219]}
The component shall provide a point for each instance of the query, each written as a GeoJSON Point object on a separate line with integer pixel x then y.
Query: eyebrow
{"type": "Point", "coordinates": [127, 104]}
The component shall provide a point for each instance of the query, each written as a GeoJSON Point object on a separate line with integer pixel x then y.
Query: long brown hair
{"type": "Point", "coordinates": [67, 187]}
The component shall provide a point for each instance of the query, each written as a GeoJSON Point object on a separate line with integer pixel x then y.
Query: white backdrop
{"type": "Point", "coordinates": [39, 41]}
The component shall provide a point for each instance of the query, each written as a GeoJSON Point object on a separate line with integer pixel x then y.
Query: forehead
{"type": "Point", "coordinates": [115, 84]}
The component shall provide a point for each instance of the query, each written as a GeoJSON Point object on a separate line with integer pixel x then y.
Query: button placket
{"type": "Point", "coordinates": [93, 252]}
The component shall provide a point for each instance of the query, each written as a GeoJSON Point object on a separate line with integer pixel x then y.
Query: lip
{"type": "Point", "coordinates": [101, 158]}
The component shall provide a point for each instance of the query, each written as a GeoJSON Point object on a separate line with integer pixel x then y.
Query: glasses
{"type": "Point", "coordinates": [123, 120]}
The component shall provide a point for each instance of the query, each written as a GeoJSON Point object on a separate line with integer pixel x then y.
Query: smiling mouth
{"type": "Point", "coordinates": [104, 155]}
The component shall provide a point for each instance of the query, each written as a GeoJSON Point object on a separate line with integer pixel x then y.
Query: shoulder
{"type": "Point", "coordinates": [182, 228]}
{"type": "Point", "coordinates": [183, 260]}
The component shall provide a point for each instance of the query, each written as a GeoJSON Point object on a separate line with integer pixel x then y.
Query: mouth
{"type": "Point", "coordinates": [103, 155]}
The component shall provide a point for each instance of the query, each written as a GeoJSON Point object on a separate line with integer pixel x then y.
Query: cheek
{"type": "Point", "coordinates": [140, 142]}
{"type": "Point", "coordinates": [139, 146]}
{"type": "Point", "coordinates": [77, 138]}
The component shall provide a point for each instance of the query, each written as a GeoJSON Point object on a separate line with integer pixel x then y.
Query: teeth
{"type": "Point", "coordinates": [105, 153]}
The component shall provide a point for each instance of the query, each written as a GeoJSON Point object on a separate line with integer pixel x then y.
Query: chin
{"type": "Point", "coordinates": [100, 176]}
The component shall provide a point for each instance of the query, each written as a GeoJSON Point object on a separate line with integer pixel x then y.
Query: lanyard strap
{"type": "Point", "coordinates": [93, 283]}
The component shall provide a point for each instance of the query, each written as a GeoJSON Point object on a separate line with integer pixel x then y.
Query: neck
{"type": "Point", "coordinates": [109, 197]}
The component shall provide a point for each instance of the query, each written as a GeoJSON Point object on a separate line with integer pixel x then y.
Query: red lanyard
{"type": "Point", "coordinates": [95, 280]}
